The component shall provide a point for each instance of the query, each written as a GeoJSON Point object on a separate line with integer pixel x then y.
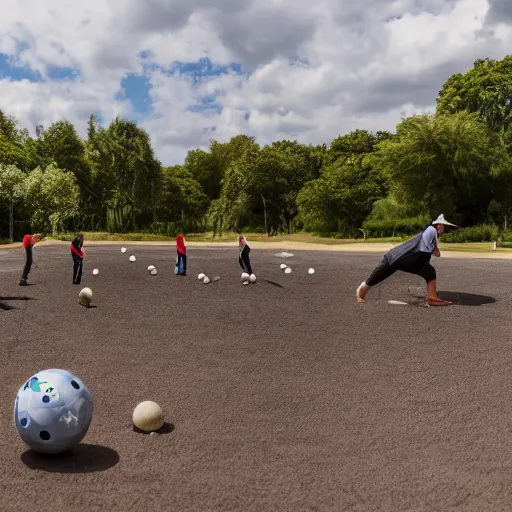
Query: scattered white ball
{"type": "Point", "coordinates": [85, 297]}
{"type": "Point", "coordinates": [201, 276]}
{"type": "Point", "coordinates": [311, 271]}
{"type": "Point", "coordinates": [95, 272]}
{"type": "Point", "coordinates": [148, 416]}
{"type": "Point", "coordinates": [252, 278]}
{"type": "Point", "coordinates": [206, 280]}
{"type": "Point", "coordinates": [245, 283]}
{"type": "Point", "coordinates": [244, 277]}
{"type": "Point", "coordinates": [132, 258]}
{"type": "Point", "coordinates": [123, 249]}
{"type": "Point", "coordinates": [282, 266]}
{"type": "Point", "coordinates": [287, 270]}
{"type": "Point", "coordinates": [152, 270]}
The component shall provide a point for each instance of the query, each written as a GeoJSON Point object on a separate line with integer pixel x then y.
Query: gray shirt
{"type": "Point", "coordinates": [428, 242]}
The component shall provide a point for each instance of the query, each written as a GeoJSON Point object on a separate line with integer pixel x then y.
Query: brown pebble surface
{"type": "Point", "coordinates": [277, 398]}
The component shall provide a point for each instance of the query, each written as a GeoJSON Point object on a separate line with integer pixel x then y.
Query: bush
{"type": "Point", "coordinates": [395, 227]}
{"type": "Point", "coordinates": [481, 233]}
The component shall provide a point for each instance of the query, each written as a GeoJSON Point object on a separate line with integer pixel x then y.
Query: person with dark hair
{"type": "Point", "coordinates": [28, 242]}
{"type": "Point", "coordinates": [412, 257]}
{"type": "Point", "coordinates": [243, 258]}
{"type": "Point", "coordinates": [181, 260]}
{"type": "Point", "coordinates": [77, 253]}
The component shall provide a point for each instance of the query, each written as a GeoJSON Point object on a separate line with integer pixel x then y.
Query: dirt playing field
{"type": "Point", "coordinates": [283, 395]}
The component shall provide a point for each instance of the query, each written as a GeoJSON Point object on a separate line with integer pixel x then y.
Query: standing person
{"type": "Point", "coordinates": [28, 242]}
{"type": "Point", "coordinates": [243, 259]}
{"type": "Point", "coordinates": [413, 257]}
{"type": "Point", "coordinates": [77, 253]}
{"type": "Point", "coordinates": [181, 249]}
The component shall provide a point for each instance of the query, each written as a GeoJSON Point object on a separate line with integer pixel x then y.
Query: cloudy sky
{"type": "Point", "coordinates": [200, 69]}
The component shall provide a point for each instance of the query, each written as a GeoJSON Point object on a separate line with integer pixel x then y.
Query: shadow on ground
{"type": "Point", "coordinates": [166, 428]}
{"type": "Point", "coordinates": [7, 307]}
{"type": "Point", "coordinates": [84, 458]}
{"type": "Point", "coordinates": [467, 299]}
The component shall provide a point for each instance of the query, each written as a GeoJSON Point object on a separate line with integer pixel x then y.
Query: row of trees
{"type": "Point", "coordinates": [456, 161]}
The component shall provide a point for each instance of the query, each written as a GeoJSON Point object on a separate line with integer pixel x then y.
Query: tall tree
{"type": "Point", "coordinates": [445, 163]}
{"type": "Point", "coordinates": [11, 191]}
{"type": "Point", "coordinates": [52, 196]}
{"type": "Point", "coordinates": [485, 89]}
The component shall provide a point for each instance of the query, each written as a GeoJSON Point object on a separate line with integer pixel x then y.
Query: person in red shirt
{"type": "Point", "coordinates": [181, 249]}
{"type": "Point", "coordinates": [77, 253]}
{"type": "Point", "coordinates": [28, 242]}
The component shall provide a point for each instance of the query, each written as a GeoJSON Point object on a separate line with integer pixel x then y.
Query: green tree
{"type": "Point", "coordinates": [443, 163]}
{"type": "Point", "coordinates": [11, 190]}
{"type": "Point", "coordinates": [182, 198]}
{"type": "Point", "coordinates": [60, 144]}
{"type": "Point", "coordinates": [485, 89]}
{"type": "Point", "coordinates": [52, 196]}
{"type": "Point", "coordinates": [126, 175]}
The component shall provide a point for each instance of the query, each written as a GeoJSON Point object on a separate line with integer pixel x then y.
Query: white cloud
{"type": "Point", "coordinates": [369, 62]}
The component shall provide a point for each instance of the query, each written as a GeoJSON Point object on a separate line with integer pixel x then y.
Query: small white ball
{"type": "Point", "coordinates": [282, 266]}
{"type": "Point", "coordinates": [151, 267]}
{"type": "Point", "coordinates": [206, 280]}
{"type": "Point", "coordinates": [123, 249]}
{"type": "Point", "coordinates": [148, 416]}
{"type": "Point", "coordinates": [252, 278]}
{"type": "Point", "coordinates": [287, 270]}
{"type": "Point", "coordinates": [132, 258]}
{"type": "Point", "coordinates": [245, 276]}
{"type": "Point", "coordinates": [95, 272]}
{"type": "Point", "coordinates": [311, 271]}
{"type": "Point", "coordinates": [154, 272]}
{"type": "Point", "coordinates": [245, 283]}
{"type": "Point", "coordinates": [201, 276]}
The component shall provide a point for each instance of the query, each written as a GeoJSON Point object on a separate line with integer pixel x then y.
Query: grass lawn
{"type": "Point", "coordinates": [473, 247]}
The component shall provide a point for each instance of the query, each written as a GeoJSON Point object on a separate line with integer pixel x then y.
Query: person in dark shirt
{"type": "Point", "coordinates": [243, 258]}
{"type": "Point", "coordinates": [412, 257]}
{"type": "Point", "coordinates": [181, 260]}
{"type": "Point", "coordinates": [77, 253]}
{"type": "Point", "coordinates": [28, 242]}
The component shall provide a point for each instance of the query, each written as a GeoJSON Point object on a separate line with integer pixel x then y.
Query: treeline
{"type": "Point", "coordinates": [456, 161]}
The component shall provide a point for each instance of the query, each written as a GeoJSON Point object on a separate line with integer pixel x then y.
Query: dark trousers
{"type": "Point", "coordinates": [77, 269]}
{"type": "Point", "coordinates": [418, 263]}
{"type": "Point", "coordinates": [182, 257]}
{"type": "Point", "coordinates": [245, 263]}
{"type": "Point", "coordinates": [28, 263]}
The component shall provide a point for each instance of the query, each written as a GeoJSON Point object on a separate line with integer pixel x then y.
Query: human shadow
{"type": "Point", "coordinates": [7, 307]}
{"type": "Point", "coordinates": [83, 458]}
{"type": "Point", "coordinates": [466, 299]}
{"type": "Point", "coordinates": [273, 283]}
{"type": "Point", "coordinates": [166, 428]}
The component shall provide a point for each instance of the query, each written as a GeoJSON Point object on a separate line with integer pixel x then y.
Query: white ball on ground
{"type": "Point", "coordinates": [151, 267]}
{"type": "Point", "coordinates": [311, 271]}
{"type": "Point", "coordinates": [201, 276]}
{"type": "Point", "coordinates": [123, 249]}
{"type": "Point", "coordinates": [245, 283]}
{"type": "Point", "coordinates": [206, 280]}
{"type": "Point", "coordinates": [252, 278]}
{"type": "Point", "coordinates": [148, 416]}
{"type": "Point", "coordinates": [85, 297]}
{"type": "Point", "coordinates": [95, 272]}
{"type": "Point", "coordinates": [152, 270]}
{"type": "Point", "coordinates": [244, 277]}
{"type": "Point", "coordinates": [282, 266]}
{"type": "Point", "coordinates": [287, 270]}
{"type": "Point", "coordinates": [133, 258]}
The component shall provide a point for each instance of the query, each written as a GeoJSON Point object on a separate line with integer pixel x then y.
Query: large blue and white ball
{"type": "Point", "coordinates": [53, 411]}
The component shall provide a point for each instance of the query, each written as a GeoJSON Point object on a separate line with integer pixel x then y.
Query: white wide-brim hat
{"type": "Point", "coordinates": [442, 220]}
